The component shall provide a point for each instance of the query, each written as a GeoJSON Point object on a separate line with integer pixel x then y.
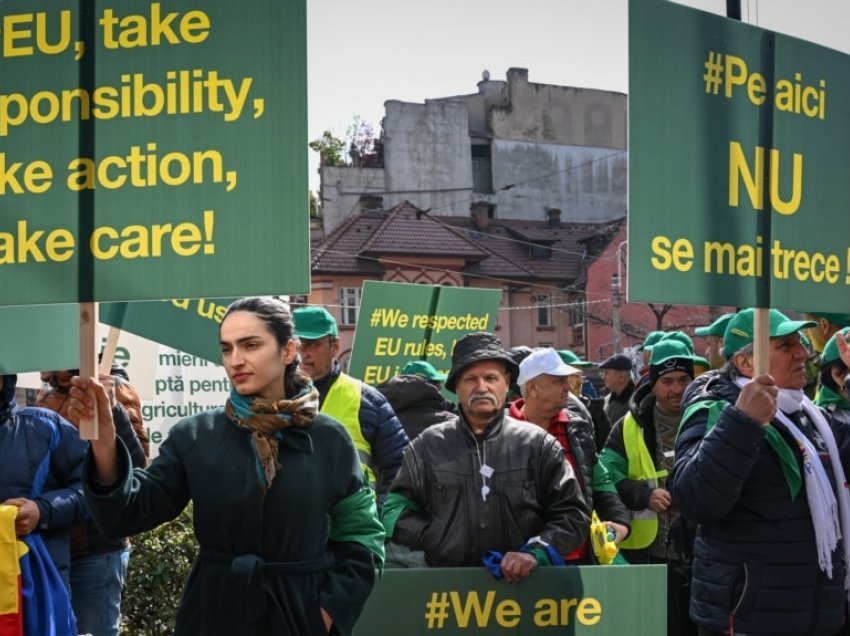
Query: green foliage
{"type": "Point", "coordinates": [314, 205]}
{"type": "Point", "coordinates": [160, 561]}
{"type": "Point", "coordinates": [330, 149]}
{"type": "Point", "coordinates": [350, 149]}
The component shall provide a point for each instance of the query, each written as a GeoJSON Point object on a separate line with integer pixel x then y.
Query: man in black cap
{"type": "Point", "coordinates": [617, 376]}
{"type": "Point", "coordinates": [462, 493]}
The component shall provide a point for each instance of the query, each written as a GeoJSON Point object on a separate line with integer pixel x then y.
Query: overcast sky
{"type": "Point", "coordinates": [364, 52]}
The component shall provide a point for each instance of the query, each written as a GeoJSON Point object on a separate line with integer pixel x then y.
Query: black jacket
{"type": "Point", "coordinates": [417, 403]}
{"type": "Point", "coordinates": [533, 492]}
{"type": "Point", "coordinates": [755, 558]}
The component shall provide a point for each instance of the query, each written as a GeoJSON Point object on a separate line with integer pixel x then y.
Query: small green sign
{"type": "Point", "coordinates": [597, 600]}
{"type": "Point", "coordinates": [190, 325]}
{"type": "Point", "coordinates": [40, 338]}
{"type": "Point", "coordinates": [400, 322]}
{"type": "Point", "coordinates": [738, 193]}
{"type": "Point", "coordinates": [152, 150]}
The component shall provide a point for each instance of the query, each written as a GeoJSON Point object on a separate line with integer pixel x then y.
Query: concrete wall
{"type": "Point", "coordinates": [560, 147]}
{"type": "Point", "coordinates": [586, 184]}
{"type": "Point", "coordinates": [342, 188]}
{"type": "Point", "coordinates": [560, 114]}
{"type": "Point", "coordinates": [427, 156]}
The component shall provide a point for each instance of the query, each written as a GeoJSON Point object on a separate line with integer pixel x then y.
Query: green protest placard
{"type": "Point", "coordinates": [39, 338]}
{"type": "Point", "coordinates": [399, 322]}
{"type": "Point", "coordinates": [152, 150]}
{"type": "Point", "coordinates": [737, 186]}
{"type": "Point", "coordinates": [598, 600]}
{"type": "Point", "coordinates": [190, 325]}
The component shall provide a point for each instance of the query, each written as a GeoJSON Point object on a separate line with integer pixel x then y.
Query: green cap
{"type": "Point", "coordinates": [680, 336]}
{"type": "Point", "coordinates": [830, 349]}
{"type": "Point", "coordinates": [573, 360]}
{"type": "Point", "coordinates": [717, 328]}
{"type": "Point", "coordinates": [312, 323]}
{"type": "Point", "coordinates": [739, 331]}
{"type": "Point", "coordinates": [423, 370]}
{"type": "Point", "coordinates": [699, 361]}
{"type": "Point", "coordinates": [839, 320]}
{"type": "Point", "coordinates": [651, 338]}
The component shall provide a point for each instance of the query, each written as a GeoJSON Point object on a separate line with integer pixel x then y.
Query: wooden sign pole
{"type": "Point", "coordinates": [88, 361]}
{"type": "Point", "coordinates": [761, 341]}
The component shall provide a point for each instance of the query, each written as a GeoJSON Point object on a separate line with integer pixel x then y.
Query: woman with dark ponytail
{"type": "Point", "coordinates": [287, 528]}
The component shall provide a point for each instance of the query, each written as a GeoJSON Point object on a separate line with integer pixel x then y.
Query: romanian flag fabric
{"type": "Point", "coordinates": [11, 551]}
{"type": "Point", "coordinates": [33, 598]}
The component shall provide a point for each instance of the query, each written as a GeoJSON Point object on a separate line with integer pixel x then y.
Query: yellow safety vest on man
{"type": "Point", "coordinates": [342, 403]}
{"type": "Point", "coordinates": [642, 468]}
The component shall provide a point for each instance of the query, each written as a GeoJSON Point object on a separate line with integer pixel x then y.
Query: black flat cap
{"type": "Point", "coordinates": [617, 362]}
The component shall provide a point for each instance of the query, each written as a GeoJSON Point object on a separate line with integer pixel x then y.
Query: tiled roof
{"type": "Point", "coordinates": [573, 246]}
{"type": "Point", "coordinates": [411, 232]}
{"type": "Point", "coordinates": [503, 251]}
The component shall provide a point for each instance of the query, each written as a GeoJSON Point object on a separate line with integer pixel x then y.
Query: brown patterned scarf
{"type": "Point", "coordinates": [266, 419]}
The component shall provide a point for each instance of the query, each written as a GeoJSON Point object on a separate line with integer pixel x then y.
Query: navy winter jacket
{"type": "Point", "coordinates": [755, 562]}
{"type": "Point", "coordinates": [25, 437]}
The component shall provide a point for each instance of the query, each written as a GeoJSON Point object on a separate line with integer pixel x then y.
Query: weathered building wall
{"type": "Point", "coordinates": [587, 184]}
{"type": "Point", "coordinates": [427, 156]}
{"type": "Point", "coordinates": [342, 188]}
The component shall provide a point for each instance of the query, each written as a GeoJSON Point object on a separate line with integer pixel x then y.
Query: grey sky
{"type": "Point", "coordinates": [364, 52]}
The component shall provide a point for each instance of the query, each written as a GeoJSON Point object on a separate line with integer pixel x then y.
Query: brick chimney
{"type": "Point", "coordinates": [553, 216]}
{"type": "Point", "coordinates": [480, 212]}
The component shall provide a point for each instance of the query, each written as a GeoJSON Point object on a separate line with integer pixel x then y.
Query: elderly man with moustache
{"type": "Point", "coordinates": [483, 483]}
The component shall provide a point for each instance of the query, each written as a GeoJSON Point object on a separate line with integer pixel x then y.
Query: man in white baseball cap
{"type": "Point", "coordinates": [546, 402]}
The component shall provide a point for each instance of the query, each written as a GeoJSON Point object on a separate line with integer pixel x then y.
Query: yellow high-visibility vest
{"type": "Point", "coordinates": [343, 403]}
{"type": "Point", "coordinates": [642, 468]}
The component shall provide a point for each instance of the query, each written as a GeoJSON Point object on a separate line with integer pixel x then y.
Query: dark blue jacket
{"type": "Point", "coordinates": [755, 560]}
{"type": "Point", "coordinates": [25, 438]}
{"type": "Point", "coordinates": [380, 427]}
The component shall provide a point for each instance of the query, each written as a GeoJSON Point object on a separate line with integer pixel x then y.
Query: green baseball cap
{"type": "Point", "coordinates": [651, 338]}
{"type": "Point", "coordinates": [717, 328]}
{"type": "Point", "coordinates": [699, 361]}
{"type": "Point", "coordinates": [839, 320]}
{"type": "Point", "coordinates": [423, 370]}
{"type": "Point", "coordinates": [680, 336]}
{"type": "Point", "coordinates": [830, 349]}
{"type": "Point", "coordinates": [573, 360]}
{"type": "Point", "coordinates": [739, 332]}
{"type": "Point", "coordinates": [312, 323]}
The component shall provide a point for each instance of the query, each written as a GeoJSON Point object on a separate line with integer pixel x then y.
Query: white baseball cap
{"type": "Point", "coordinates": [543, 361]}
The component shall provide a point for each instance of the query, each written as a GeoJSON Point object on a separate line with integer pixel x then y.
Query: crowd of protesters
{"type": "Point", "coordinates": [734, 480]}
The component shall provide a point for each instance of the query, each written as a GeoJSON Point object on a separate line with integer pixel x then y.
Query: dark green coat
{"type": "Point", "coordinates": [208, 459]}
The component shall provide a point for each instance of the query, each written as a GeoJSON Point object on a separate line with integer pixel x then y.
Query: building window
{"type": "Point", "coordinates": [349, 305]}
{"type": "Point", "coordinates": [578, 318]}
{"type": "Point", "coordinates": [543, 303]}
{"type": "Point", "coordinates": [539, 252]}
